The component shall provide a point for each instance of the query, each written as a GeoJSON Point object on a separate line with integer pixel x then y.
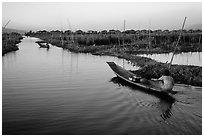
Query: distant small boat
{"type": "Point", "coordinates": [43, 44]}
{"type": "Point", "coordinates": [132, 78]}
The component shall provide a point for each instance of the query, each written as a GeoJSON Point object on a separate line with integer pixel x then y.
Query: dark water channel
{"type": "Point", "coordinates": [58, 92]}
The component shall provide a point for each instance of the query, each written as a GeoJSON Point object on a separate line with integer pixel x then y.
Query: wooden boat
{"type": "Point", "coordinates": [43, 44]}
{"type": "Point", "coordinates": [132, 78]}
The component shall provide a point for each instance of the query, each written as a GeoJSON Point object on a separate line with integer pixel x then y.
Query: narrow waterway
{"type": "Point", "coordinates": [58, 92]}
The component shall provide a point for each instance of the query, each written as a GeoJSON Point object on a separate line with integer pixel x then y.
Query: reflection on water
{"type": "Point", "coordinates": [165, 100]}
{"type": "Point", "coordinates": [189, 58]}
{"type": "Point", "coordinates": [165, 109]}
{"type": "Point", "coordinates": [56, 92]}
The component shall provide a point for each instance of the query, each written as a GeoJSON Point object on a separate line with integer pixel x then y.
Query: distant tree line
{"type": "Point", "coordinates": [144, 31]}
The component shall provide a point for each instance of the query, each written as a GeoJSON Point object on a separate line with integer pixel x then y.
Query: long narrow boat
{"type": "Point", "coordinates": [43, 44]}
{"type": "Point", "coordinates": [129, 77]}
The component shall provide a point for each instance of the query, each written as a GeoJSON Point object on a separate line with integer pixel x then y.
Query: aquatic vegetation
{"type": "Point", "coordinates": [135, 42]}
{"type": "Point", "coordinates": [9, 41]}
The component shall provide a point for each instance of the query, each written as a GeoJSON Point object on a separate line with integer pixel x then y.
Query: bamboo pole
{"type": "Point", "coordinates": [177, 43]}
{"type": "Point", "coordinates": [6, 35]}
{"type": "Point", "coordinates": [123, 42]}
{"type": "Point", "coordinates": [6, 24]}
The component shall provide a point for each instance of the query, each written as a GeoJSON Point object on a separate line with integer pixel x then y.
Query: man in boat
{"type": "Point", "coordinates": [165, 82]}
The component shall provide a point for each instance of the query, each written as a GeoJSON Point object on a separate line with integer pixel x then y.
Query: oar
{"type": "Point", "coordinates": [177, 43]}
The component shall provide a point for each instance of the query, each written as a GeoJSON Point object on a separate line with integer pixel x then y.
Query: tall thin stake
{"type": "Point", "coordinates": [6, 35]}
{"type": "Point", "coordinates": [177, 43]}
{"type": "Point", "coordinates": [123, 43]}
{"type": "Point", "coordinates": [149, 37]}
{"type": "Point", "coordinates": [6, 24]}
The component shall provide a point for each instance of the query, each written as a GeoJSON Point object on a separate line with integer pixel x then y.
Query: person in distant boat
{"type": "Point", "coordinates": [165, 82]}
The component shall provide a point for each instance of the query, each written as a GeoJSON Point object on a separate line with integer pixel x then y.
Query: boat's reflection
{"type": "Point", "coordinates": [165, 108]}
{"type": "Point", "coordinates": [165, 100]}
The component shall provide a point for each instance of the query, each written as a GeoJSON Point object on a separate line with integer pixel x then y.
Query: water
{"type": "Point", "coordinates": [58, 92]}
{"type": "Point", "coordinates": [189, 58]}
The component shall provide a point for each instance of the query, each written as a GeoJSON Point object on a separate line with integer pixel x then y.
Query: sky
{"type": "Point", "coordinates": [100, 16]}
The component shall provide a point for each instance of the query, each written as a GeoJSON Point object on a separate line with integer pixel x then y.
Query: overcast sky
{"type": "Point", "coordinates": [99, 16]}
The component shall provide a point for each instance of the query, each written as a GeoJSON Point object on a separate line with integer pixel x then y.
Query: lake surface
{"type": "Point", "coordinates": [189, 58]}
{"type": "Point", "coordinates": [58, 92]}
